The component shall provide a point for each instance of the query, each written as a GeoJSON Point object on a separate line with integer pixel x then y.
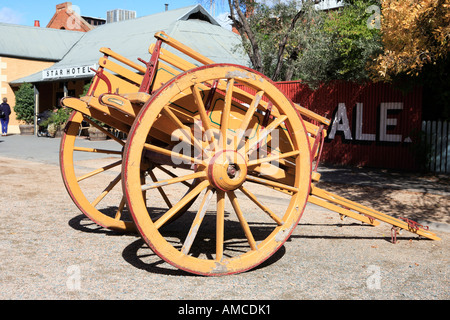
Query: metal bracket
{"type": "Point", "coordinates": [100, 75]}
{"type": "Point", "coordinates": [394, 231]}
{"type": "Point", "coordinates": [413, 225]}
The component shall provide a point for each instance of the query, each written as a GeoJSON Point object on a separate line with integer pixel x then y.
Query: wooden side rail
{"type": "Point", "coordinates": [122, 71]}
{"type": "Point", "coordinates": [362, 213]}
{"type": "Point", "coordinates": [183, 48]}
{"type": "Point", "coordinates": [113, 78]}
{"type": "Point", "coordinates": [109, 53]}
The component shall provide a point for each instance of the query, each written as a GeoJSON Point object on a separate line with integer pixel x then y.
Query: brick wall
{"type": "Point", "coordinates": [67, 18]}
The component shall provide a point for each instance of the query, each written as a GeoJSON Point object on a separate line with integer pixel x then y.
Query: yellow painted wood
{"type": "Point", "coordinates": [334, 200]}
{"type": "Point", "coordinates": [95, 150]}
{"type": "Point", "coordinates": [327, 205]}
{"type": "Point", "coordinates": [220, 225]}
{"type": "Point", "coordinates": [137, 97]}
{"type": "Point", "coordinates": [122, 71]}
{"type": "Point", "coordinates": [235, 203]}
{"type": "Point", "coordinates": [113, 119]}
{"type": "Point", "coordinates": [115, 101]}
{"type": "Point", "coordinates": [71, 181]}
{"type": "Point", "coordinates": [175, 60]}
{"type": "Point", "coordinates": [122, 59]}
{"type": "Point", "coordinates": [197, 221]}
{"type": "Point", "coordinates": [183, 48]}
{"type": "Point", "coordinates": [99, 170]}
{"type": "Point", "coordinates": [312, 115]}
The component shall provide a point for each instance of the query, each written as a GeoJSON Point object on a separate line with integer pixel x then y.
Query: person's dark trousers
{"type": "Point", "coordinates": [4, 125]}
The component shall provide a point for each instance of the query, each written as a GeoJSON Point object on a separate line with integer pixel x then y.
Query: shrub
{"type": "Point", "coordinates": [57, 120]}
{"type": "Point", "coordinates": [24, 107]}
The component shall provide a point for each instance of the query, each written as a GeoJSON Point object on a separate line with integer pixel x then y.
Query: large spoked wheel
{"type": "Point", "coordinates": [243, 142]}
{"type": "Point", "coordinates": [92, 174]}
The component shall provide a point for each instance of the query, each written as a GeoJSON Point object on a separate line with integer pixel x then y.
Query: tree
{"type": "Point", "coordinates": [414, 34]}
{"type": "Point", "coordinates": [240, 11]}
{"type": "Point", "coordinates": [356, 39]}
{"type": "Point", "coordinates": [293, 40]}
{"type": "Point", "coordinates": [268, 29]}
{"type": "Point", "coordinates": [24, 107]}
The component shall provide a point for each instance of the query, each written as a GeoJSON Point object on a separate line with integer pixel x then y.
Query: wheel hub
{"type": "Point", "coordinates": [227, 170]}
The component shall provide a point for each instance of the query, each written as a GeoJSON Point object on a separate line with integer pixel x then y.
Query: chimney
{"type": "Point", "coordinates": [37, 23]}
{"type": "Point", "coordinates": [167, 6]}
{"type": "Point", "coordinates": [63, 6]}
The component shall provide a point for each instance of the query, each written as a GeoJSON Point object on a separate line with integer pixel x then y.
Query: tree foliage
{"type": "Point", "coordinates": [414, 34]}
{"type": "Point", "coordinates": [293, 40]}
{"type": "Point", "coordinates": [378, 40]}
{"type": "Point", "coordinates": [356, 39]}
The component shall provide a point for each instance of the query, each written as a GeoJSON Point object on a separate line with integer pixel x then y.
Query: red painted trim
{"type": "Point", "coordinates": [210, 97]}
{"type": "Point", "coordinates": [151, 68]}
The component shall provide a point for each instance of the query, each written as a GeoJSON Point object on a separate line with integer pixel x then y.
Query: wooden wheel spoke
{"type": "Point", "coordinates": [204, 116]}
{"type": "Point", "coordinates": [263, 134]}
{"type": "Point", "coordinates": [160, 190]}
{"type": "Point", "coordinates": [186, 131]}
{"type": "Point", "coordinates": [276, 157]}
{"type": "Point", "coordinates": [243, 222]}
{"type": "Point", "coordinates": [120, 209]}
{"type": "Point", "coordinates": [184, 158]}
{"type": "Point", "coordinates": [166, 182]}
{"type": "Point", "coordinates": [105, 192]}
{"type": "Point", "coordinates": [100, 170]}
{"type": "Point", "coordinates": [95, 150]}
{"type": "Point", "coordinates": [262, 206]}
{"type": "Point", "coordinates": [224, 122]}
{"type": "Point", "coordinates": [180, 204]}
{"type": "Point", "coordinates": [248, 117]}
{"type": "Point", "coordinates": [197, 221]}
{"type": "Point", "coordinates": [271, 183]}
{"type": "Point", "coordinates": [173, 175]}
{"type": "Point", "coordinates": [220, 224]}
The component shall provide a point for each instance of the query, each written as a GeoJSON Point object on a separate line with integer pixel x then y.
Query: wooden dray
{"type": "Point", "coordinates": [217, 165]}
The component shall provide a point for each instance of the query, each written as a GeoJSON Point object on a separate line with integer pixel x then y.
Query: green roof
{"type": "Point", "coordinates": [192, 26]}
{"type": "Point", "coordinates": [36, 43]}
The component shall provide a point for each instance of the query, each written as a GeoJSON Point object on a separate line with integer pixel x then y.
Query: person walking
{"type": "Point", "coordinates": [5, 111]}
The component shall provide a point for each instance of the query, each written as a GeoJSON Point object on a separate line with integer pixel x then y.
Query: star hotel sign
{"type": "Point", "coordinates": [69, 72]}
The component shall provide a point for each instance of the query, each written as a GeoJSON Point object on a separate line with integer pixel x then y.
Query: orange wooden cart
{"type": "Point", "coordinates": [217, 165]}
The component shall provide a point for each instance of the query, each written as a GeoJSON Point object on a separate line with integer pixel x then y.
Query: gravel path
{"type": "Point", "coordinates": [48, 250]}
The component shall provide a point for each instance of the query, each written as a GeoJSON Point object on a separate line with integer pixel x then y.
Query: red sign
{"type": "Point", "coordinates": [373, 125]}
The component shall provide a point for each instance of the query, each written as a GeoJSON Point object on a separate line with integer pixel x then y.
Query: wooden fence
{"type": "Point", "coordinates": [437, 138]}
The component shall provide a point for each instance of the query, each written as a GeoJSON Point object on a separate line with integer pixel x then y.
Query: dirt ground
{"type": "Point", "coordinates": [44, 238]}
